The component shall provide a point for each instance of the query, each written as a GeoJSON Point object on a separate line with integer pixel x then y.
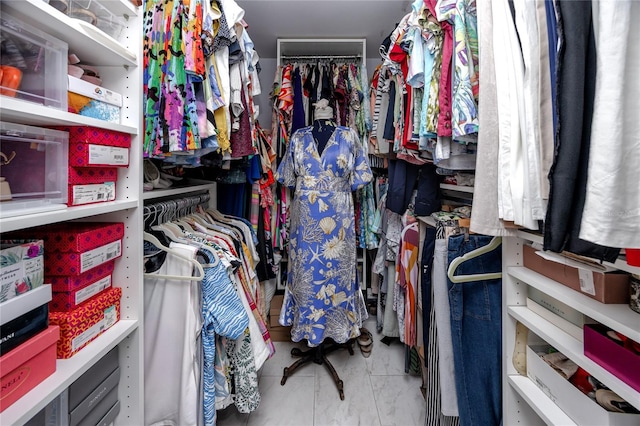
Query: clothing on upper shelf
{"type": "Point", "coordinates": [323, 298]}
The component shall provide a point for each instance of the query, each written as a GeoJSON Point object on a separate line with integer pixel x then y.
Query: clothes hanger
{"type": "Point", "coordinates": [182, 223]}
{"type": "Point", "coordinates": [493, 244]}
{"type": "Point", "coordinates": [153, 240]}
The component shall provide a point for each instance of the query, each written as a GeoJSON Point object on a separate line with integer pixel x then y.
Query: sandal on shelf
{"type": "Point", "coordinates": [365, 341]}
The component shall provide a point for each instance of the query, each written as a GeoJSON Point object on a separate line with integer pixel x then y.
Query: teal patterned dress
{"type": "Point", "coordinates": [323, 298]}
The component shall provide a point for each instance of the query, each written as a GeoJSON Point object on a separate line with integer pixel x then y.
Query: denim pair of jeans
{"type": "Point", "coordinates": [476, 332]}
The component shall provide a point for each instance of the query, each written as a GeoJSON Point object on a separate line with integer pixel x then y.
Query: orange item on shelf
{"type": "Point", "coordinates": [9, 80]}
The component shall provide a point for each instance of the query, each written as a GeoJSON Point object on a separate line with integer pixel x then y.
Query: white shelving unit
{"type": "Point", "coordinates": [119, 63]}
{"type": "Point", "coordinates": [523, 401]}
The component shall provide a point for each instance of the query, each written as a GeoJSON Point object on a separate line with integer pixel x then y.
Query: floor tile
{"type": "Point", "coordinates": [274, 366]}
{"type": "Point", "coordinates": [231, 417]}
{"type": "Point", "coordinates": [386, 360]}
{"type": "Point", "coordinates": [288, 405]}
{"type": "Point", "coordinates": [358, 407]}
{"type": "Point", "coordinates": [399, 400]}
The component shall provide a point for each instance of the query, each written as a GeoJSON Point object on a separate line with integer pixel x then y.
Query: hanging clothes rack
{"type": "Point", "coordinates": [318, 57]}
{"type": "Point", "coordinates": [172, 209]}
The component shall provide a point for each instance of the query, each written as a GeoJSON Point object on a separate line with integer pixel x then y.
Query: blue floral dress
{"type": "Point", "coordinates": [323, 297]}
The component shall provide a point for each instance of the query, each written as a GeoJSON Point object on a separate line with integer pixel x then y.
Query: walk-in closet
{"type": "Point", "coordinates": [314, 213]}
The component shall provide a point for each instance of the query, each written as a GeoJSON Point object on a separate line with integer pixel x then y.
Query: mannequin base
{"type": "Point", "coordinates": [318, 355]}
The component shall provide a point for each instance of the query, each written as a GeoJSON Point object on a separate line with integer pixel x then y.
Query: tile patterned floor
{"type": "Point", "coordinates": [377, 391]}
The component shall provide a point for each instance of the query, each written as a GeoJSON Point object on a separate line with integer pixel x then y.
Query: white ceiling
{"type": "Point", "coordinates": [370, 19]}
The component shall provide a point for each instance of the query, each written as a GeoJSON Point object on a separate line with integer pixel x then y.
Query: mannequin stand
{"type": "Point", "coordinates": [318, 355]}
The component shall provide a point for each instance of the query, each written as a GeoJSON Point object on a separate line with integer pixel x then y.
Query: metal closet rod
{"type": "Point", "coordinates": [321, 57]}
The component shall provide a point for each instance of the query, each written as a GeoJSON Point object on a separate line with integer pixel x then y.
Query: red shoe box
{"type": "Point", "coordinates": [616, 357]}
{"type": "Point", "coordinates": [78, 237]}
{"type": "Point", "coordinates": [88, 185]}
{"type": "Point", "coordinates": [71, 291]}
{"type": "Point", "coordinates": [92, 155]}
{"type": "Point", "coordinates": [80, 195]}
{"type": "Point", "coordinates": [85, 323]}
{"type": "Point", "coordinates": [27, 366]}
{"type": "Point", "coordinates": [70, 263]}
{"type": "Point", "coordinates": [77, 247]}
{"type": "Point", "coordinates": [65, 301]}
{"type": "Point", "coordinates": [93, 135]}
{"type": "Point", "coordinates": [91, 175]}
{"type": "Point", "coordinates": [74, 283]}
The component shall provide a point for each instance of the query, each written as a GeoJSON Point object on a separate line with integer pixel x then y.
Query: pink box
{"type": "Point", "coordinates": [27, 366]}
{"type": "Point", "coordinates": [65, 301]}
{"type": "Point", "coordinates": [85, 323]}
{"type": "Point", "coordinates": [92, 135]}
{"type": "Point", "coordinates": [622, 361]}
{"type": "Point", "coordinates": [88, 175]}
{"type": "Point", "coordinates": [77, 237]}
{"type": "Point", "coordinates": [93, 155]}
{"type": "Point", "coordinates": [74, 283]}
{"type": "Point", "coordinates": [71, 263]}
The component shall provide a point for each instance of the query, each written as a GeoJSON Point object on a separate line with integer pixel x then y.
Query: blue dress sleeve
{"type": "Point", "coordinates": [286, 173]}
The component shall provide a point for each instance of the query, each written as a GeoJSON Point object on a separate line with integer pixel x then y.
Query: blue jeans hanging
{"type": "Point", "coordinates": [476, 333]}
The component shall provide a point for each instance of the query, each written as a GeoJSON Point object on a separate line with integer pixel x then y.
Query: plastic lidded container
{"type": "Point", "coordinates": [33, 64]}
{"type": "Point", "coordinates": [34, 169]}
{"type": "Point", "coordinates": [97, 14]}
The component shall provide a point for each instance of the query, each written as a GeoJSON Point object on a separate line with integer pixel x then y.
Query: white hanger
{"type": "Point", "coordinates": [495, 243]}
{"type": "Point", "coordinates": [171, 230]}
{"type": "Point", "coordinates": [185, 225]}
{"type": "Point", "coordinates": [153, 240]}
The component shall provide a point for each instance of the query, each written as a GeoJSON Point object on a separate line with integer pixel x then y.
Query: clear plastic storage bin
{"type": "Point", "coordinates": [33, 63]}
{"type": "Point", "coordinates": [97, 14]}
{"type": "Point", "coordinates": [33, 169]}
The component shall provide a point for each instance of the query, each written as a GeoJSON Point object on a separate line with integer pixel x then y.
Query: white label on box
{"type": "Point", "coordinates": [586, 282]}
{"type": "Point", "coordinates": [100, 255]}
{"type": "Point", "coordinates": [109, 155]}
{"type": "Point", "coordinates": [87, 335]}
{"type": "Point", "coordinates": [84, 194]}
{"type": "Point", "coordinates": [110, 316]}
{"type": "Point", "coordinates": [93, 289]}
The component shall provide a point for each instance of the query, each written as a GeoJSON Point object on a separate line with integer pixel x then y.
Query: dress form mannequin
{"type": "Point", "coordinates": [323, 124]}
{"type": "Point", "coordinates": [323, 130]}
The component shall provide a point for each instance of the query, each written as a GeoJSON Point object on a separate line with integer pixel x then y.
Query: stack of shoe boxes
{"type": "Point", "coordinates": [27, 342]}
{"type": "Point", "coordinates": [79, 260]}
{"type": "Point", "coordinates": [91, 400]}
{"type": "Point", "coordinates": [94, 158]}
